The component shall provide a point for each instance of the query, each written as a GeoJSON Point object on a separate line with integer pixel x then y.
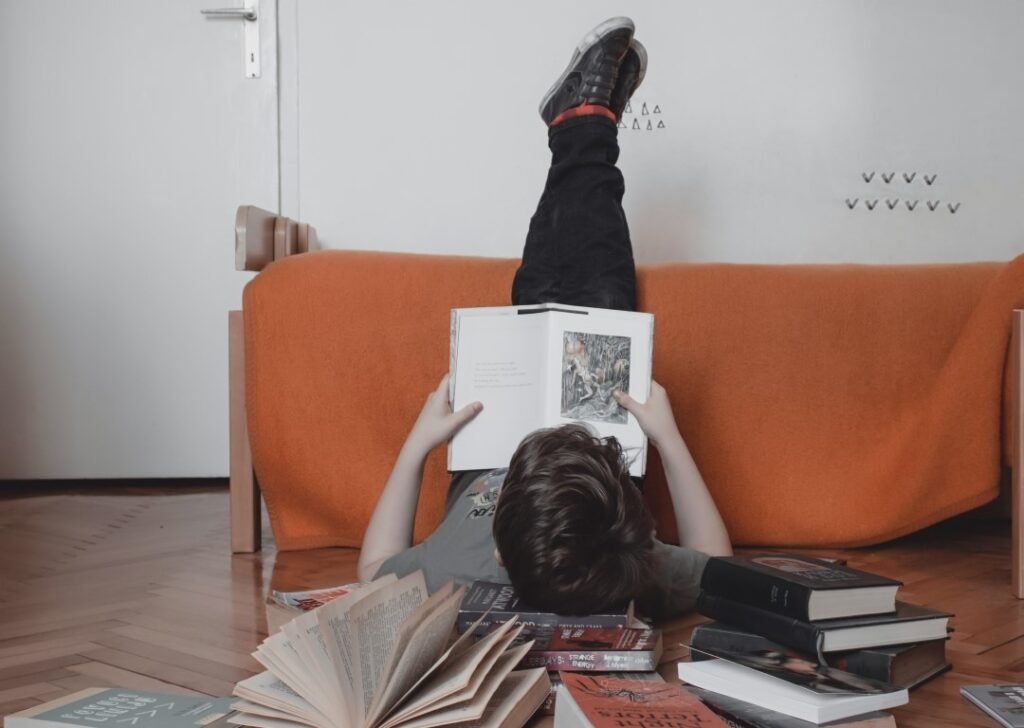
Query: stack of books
{"type": "Point", "coordinates": [783, 614]}
{"type": "Point", "coordinates": [613, 644]}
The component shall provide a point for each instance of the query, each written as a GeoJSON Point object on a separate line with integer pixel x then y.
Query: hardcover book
{"type": "Point", "coordinates": [606, 702]}
{"type": "Point", "coordinates": [117, 707]}
{"type": "Point", "coordinates": [800, 586]}
{"type": "Point", "coordinates": [488, 603]}
{"type": "Point", "coordinates": [782, 696]}
{"type": "Point", "coordinates": [596, 649]}
{"type": "Point", "coordinates": [908, 624]}
{"type": "Point", "coordinates": [741, 714]}
{"type": "Point", "coordinates": [905, 666]}
{"type": "Point", "coordinates": [1004, 703]}
{"type": "Point", "coordinates": [544, 366]}
{"type": "Point", "coordinates": [382, 657]}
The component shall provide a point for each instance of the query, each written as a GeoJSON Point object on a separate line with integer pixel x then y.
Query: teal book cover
{"type": "Point", "coordinates": [124, 709]}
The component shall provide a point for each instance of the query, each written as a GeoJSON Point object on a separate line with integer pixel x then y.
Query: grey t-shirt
{"type": "Point", "coordinates": [462, 548]}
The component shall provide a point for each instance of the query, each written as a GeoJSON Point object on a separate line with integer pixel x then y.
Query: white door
{"type": "Point", "coordinates": [129, 133]}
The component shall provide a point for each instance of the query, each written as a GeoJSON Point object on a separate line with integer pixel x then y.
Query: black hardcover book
{"type": "Point", "coordinates": [905, 666]}
{"type": "Point", "coordinates": [908, 624]}
{"type": "Point", "coordinates": [800, 586]}
{"type": "Point", "coordinates": [501, 603]}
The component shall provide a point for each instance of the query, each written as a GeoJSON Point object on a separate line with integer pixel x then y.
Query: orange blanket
{"type": "Point", "coordinates": [825, 405]}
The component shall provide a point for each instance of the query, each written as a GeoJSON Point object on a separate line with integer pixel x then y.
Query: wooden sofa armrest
{"type": "Point", "coordinates": [1017, 503]}
{"type": "Point", "coordinates": [261, 237]}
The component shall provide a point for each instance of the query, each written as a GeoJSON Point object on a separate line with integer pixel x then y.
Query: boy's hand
{"type": "Point", "coordinates": [655, 415]}
{"type": "Point", "coordinates": [437, 423]}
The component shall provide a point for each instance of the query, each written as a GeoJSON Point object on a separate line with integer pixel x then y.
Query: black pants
{"type": "Point", "coordinates": [578, 250]}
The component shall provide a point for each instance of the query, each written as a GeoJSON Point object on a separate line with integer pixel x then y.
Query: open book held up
{"type": "Point", "coordinates": [543, 366]}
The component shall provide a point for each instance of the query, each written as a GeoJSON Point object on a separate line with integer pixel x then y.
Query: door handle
{"type": "Point", "coordinates": [249, 14]}
{"type": "Point", "coordinates": [243, 13]}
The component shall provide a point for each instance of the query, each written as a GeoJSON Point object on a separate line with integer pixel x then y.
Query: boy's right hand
{"type": "Point", "coordinates": [437, 423]}
{"type": "Point", "coordinates": [655, 415]}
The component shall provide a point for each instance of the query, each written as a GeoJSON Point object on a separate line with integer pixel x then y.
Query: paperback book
{"type": "Point", "coordinates": [607, 702]}
{"type": "Point", "coordinates": [905, 666]}
{"type": "Point", "coordinates": [489, 603]}
{"type": "Point", "coordinates": [596, 649]}
{"type": "Point", "coordinates": [120, 707]}
{"type": "Point", "coordinates": [908, 624]}
{"type": "Point", "coordinates": [285, 606]}
{"type": "Point", "coordinates": [382, 657]}
{"type": "Point", "coordinates": [544, 366]}
{"type": "Point", "coordinates": [801, 587]}
{"type": "Point", "coordinates": [548, 708]}
{"type": "Point", "coordinates": [1003, 703]}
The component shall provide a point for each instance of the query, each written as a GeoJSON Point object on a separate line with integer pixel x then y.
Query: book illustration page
{"type": "Point", "coordinates": [594, 366]}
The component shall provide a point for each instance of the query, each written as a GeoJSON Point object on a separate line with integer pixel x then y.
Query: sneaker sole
{"type": "Point", "coordinates": [588, 42]}
{"type": "Point", "coordinates": [642, 52]}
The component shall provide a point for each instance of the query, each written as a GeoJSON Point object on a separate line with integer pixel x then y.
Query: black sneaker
{"type": "Point", "coordinates": [592, 72]}
{"type": "Point", "coordinates": [631, 75]}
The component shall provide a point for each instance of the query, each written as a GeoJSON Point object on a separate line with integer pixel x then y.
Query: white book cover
{"type": "Point", "coordinates": [544, 366]}
{"type": "Point", "coordinates": [744, 683]}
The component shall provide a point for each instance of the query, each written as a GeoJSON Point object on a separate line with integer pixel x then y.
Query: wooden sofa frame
{"type": "Point", "coordinates": [262, 237]}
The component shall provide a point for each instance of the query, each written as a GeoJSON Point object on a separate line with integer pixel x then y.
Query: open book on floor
{"type": "Point", "coordinates": [544, 366]}
{"type": "Point", "coordinates": [382, 657]}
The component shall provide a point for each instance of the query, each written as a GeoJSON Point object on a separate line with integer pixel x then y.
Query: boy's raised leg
{"type": "Point", "coordinates": [578, 249]}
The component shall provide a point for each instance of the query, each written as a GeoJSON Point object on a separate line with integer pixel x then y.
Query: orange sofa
{"type": "Point", "coordinates": [834, 405]}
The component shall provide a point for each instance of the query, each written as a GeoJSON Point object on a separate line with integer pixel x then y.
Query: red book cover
{"type": "Point", "coordinates": [609, 702]}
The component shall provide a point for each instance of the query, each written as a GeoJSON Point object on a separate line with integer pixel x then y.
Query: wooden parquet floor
{"type": "Point", "coordinates": [135, 587]}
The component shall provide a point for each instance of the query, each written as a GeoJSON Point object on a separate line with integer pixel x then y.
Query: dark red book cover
{"type": "Point", "coordinates": [596, 649]}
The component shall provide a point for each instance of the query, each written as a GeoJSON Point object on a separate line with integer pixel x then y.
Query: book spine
{"type": "Point", "coordinates": [726, 579]}
{"type": "Point", "coordinates": [776, 627]}
{"type": "Point", "coordinates": [866, 663]}
{"type": "Point", "coordinates": [540, 621]}
{"type": "Point", "coordinates": [598, 661]}
{"type": "Point", "coordinates": [712, 637]}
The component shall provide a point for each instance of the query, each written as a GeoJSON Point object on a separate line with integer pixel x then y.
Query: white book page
{"type": "Point", "coordinates": [498, 361]}
{"type": "Point", "coordinates": [267, 689]}
{"type": "Point", "coordinates": [251, 708]}
{"type": "Point", "coordinates": [306, 637]}
{"type": "Point", "coordinates": [458, 680]}
{"type": "Point", "coordinates": [590, 355]}
{"type": "Point", "coordinates": [335, 627]}
{"type": "Point", "coordinates": [418, 648]}
{"type": "Point", "coordinates": [278, 655]}
{"type": "Point", "coordinates": [376, 623]}
{"type": "Point", "coordinates": [476, 706]}
{"type": "Point", "coordinates": [260, 721]}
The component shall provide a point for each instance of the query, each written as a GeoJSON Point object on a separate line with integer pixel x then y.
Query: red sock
{"type": "Point", "coordinates": [584, 110]}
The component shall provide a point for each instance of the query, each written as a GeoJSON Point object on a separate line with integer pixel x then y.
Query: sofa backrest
{"type": "Point", "coordinates": [825, 405]}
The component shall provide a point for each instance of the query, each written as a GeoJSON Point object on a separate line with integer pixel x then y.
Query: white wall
{"type": "Point", "coordinates": [413, 126]}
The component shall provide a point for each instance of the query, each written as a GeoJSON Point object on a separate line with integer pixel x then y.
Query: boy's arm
{"type": "Point", "coordinates": [390, 528]}
{"type": "Point", "coordinates": [697, 518]}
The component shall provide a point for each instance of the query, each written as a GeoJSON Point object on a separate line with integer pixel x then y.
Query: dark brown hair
{"type": "Point", "coordinates": [570, 525]}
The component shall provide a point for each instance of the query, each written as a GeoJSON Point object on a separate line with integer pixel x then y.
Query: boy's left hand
{"type": "Point", "coordinates": [437, 423]}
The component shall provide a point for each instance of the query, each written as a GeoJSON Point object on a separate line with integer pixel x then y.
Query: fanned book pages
{"type": "Point", "coordinates": [382, 656]}
{"type": "Point", "coordinates": [544, 366]}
